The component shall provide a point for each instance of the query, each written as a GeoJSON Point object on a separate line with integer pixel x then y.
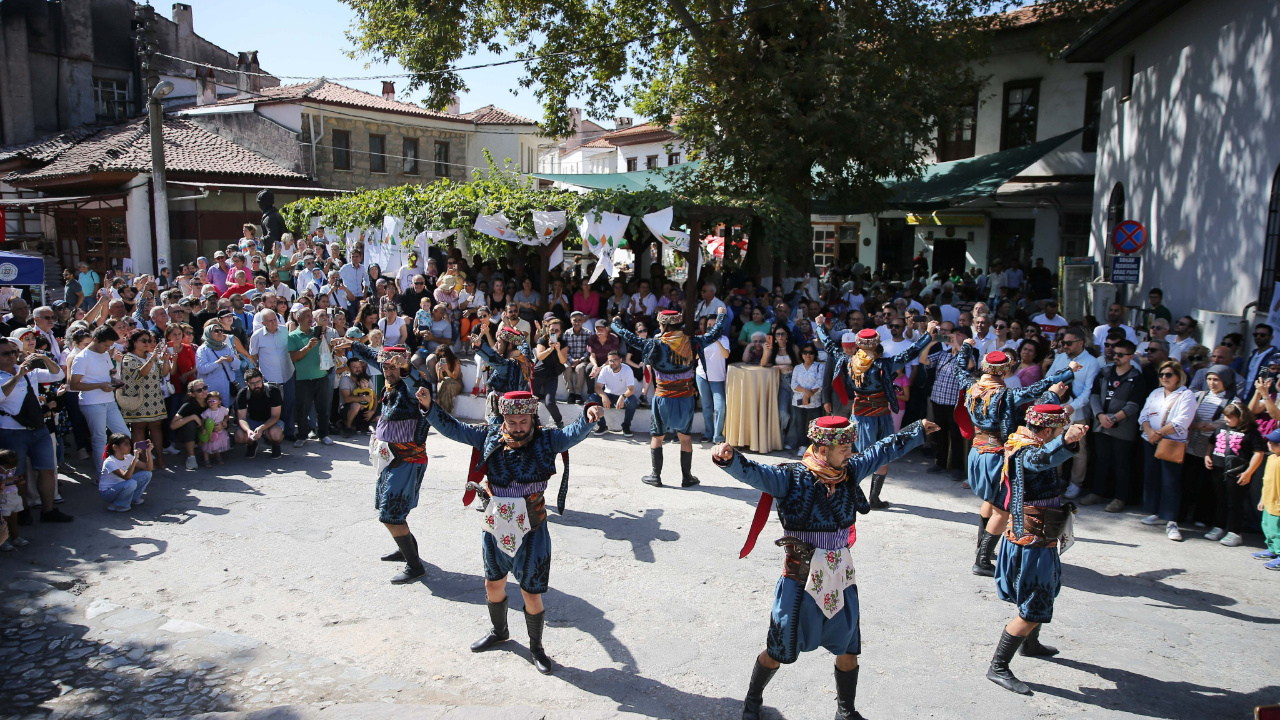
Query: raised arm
{"type": "Point", "coordinates": [631, 339]}
{"type": "Point", "coordinates": [1036, 389]}
{"type": "Point", "coordinates": [449, 427]}
{"type": "Point", "coordinates": [576, 432]}
{"type": "Point", "coordinates": [829, 342]}
{"type": "Point", "coordinates": [363, 352]}
{"type": "Point", "coordinates": [961, 367]}
{"type": "Point", "coordinates": [713, 334]}
{"type": "Point", "coordinates": [886, 451]}
{"type": "Point", "coordinates": [905, 357]}
{"type": "Point", "coordinates": [765, 478]}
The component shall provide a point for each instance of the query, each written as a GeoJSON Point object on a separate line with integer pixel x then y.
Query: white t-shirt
{"type": "Point", "coordinates": [109, 479]}
{"type": "Point", "coordinates": [855, 301]}
{"type": "Point", "coordinates": [893, 347]}
{"type": "Point", "coordinates": [393, 333]}
{"type": "Point", "coordinates": [285, 292]}
{"type": "Point", "coordinates": [616, 383]}
{"type": "Point", "coordinates": [715, 370]}
{"type": "Point", "coordinates": [1049, 326]}
{"type": "Point", "coordinates": [1100, 334]}
{"type": "Point", "coordinates": [93, 367]}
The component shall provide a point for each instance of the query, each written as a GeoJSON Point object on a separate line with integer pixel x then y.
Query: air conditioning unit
{"type": "Point", "coordinates": [1216, 325]}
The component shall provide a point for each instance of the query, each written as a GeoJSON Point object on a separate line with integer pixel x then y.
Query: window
{"type": "Point", "coordinates": [1115, 215]}
{"type": "Point", "coordinates": [673, 159]}
{"type": "Point", "coordinates": [1021, 110]}
{"type": "Point", "coordinates": [956, 136]}
{"type": "Point", "coordinates": [1092, 111]}
{"type": "Point", "coordinates": [341, 150]}
{"type": "Point", "coordinates": [824, 247]}
{"type": "Point", "coordinates": [442, 159]}
{"type": "Point", "coordinates": [377, 153]}
{"type": "Point", "coordinates": [633, 164]}
{"type": "Point", "coordinates": [410, 153]}
{"type": "Point", "coordinates": [651, 162]}
{"type": "Point", "coordinates": [1270, 272]}
{"type": "Point", "coordinates": [1126, 79]}
{"type": "Point", "coordinates": [111, 99]}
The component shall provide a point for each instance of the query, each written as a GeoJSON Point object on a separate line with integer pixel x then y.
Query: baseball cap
{"type": "Point", "coordinates": [1274, 436]}
{"type": "Point", "coordinates": [548, 317]}
{"type": "Point", "coordinates": [849, 338]}
{"type": "Point", "coordinates": [577, 313]}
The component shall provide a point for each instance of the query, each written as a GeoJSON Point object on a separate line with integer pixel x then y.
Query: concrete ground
{"type": "Point", "coordinates": [650, 613]}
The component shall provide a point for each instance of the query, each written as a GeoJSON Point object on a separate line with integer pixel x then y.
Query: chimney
{"type": "Point", "coordinates": [388, 90]}
{"type": "Point", "coordinates": [247, 62]}
{"type": "Point", "coordinates": [622, 123]}
{"type": "Point", "coordinates": [454, 107]}
{"type": "Point", "coordinates": [576, 114]}
{"type": "Point", "coordinates": [182, 18]}
{"type": "Point", "coordinates": [206, 87]}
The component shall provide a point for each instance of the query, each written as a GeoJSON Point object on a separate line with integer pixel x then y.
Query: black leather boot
{"type": "Point", "coordinates": [398, 556]}
{"type": "Point", "coordinates": [686, 469]}
{"type": "Point", "coordinates": [760, 676]}
{"type": "Point", "coordinates": [982, 563]}
{"type": "Point", "coordinates": [999, 672]}
{"type": "Point", "coordinates": [877, 483]}
{"type": "Point", "coordinates": [413, 568]}
{"type": "Point", "coordinates": [499, 633]}
{"type": "Point", "coordinates": [539, 657]}
{"type": "Point", "coordinates": [655, 457]}
{"type": "Point", "coordinates": [846, 691]}
{"type": "Point", "coordinates": [982, 525]}
{"type": "Point", "coordinates": [1032, 647]}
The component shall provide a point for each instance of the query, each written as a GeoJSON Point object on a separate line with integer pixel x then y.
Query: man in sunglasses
{"type": "Point", "coordinates": [22, 428]}
{"type": "Point", "coordinates": [1072, 350]}
{"type": "Point", "coordinates": [1262, 353]}
{"type": "Point", "coordinates": [1117, 398]}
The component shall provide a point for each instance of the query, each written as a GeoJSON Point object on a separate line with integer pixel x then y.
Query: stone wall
{"type": "Point", "coordinates": [359, 176]}
{"type": "Point", "coordinates": [258, 134]}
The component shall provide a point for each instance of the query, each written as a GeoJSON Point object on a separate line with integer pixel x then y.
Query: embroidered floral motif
{"type": "Point", "coordinates": [508, 542]}
{"type": "Point", "coordinates": [506, 510]}
{"type": "Point", "coordinates": [833, 559]}
{"type": "Point", "coordinates": [830, 600]}
{"type": "Point", "coordinates": [489, 520]}
{"type": "Point", "coordinates": [520, 523]}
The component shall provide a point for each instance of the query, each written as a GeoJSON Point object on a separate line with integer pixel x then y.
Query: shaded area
{"type": "Point", "coordinates": [639, 530]}
{"type": "Point", "coordinates": [1151, 585]}
{"type": "Point", "coordinates": [648, 697]}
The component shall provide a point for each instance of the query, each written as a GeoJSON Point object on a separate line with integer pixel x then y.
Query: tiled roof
{"type": "Point", "coordinates": [47, 148]}
{"type": "Point", "coordinates": [494, 115]}
{"type": "Point", "coordinates": [326, 91]}
{"type": "Point", "coordinates": [187, 149]}
{"type": "Point", "coordinates": [641, 129]}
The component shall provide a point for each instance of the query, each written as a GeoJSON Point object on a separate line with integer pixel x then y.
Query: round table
{"type": "Point", "coordinates": [751, 408]}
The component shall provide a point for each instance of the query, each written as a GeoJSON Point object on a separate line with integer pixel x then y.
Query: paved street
{"type": "Point", "coordinates": [261, 587]}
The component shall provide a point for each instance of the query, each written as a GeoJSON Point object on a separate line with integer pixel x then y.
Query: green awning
{"type": "Point", "coordinates": [943, 184]}
{"type": "Point", "coordinates": [660, 178]}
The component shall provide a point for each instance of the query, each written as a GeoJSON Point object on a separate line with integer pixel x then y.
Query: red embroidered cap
{"type": "Point", "coordinates": [868, 338]}
{"type": "Point", "coordinates": [833, 430]}
{"type": "Point", "coordinates": [996, 363]}
{"type": "Point", "coordinates": [1048, 416]}
{"type": "Point", "coordinates": [669, 317]}
{"type": "Point", "coordinates": [518, 402]}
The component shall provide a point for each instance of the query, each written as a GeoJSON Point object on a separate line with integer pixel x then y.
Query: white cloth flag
{"type": "Point", "coordinates": [496, 225]}
{"type": "Point", "coordinates": [548, 224]}
{"type": "Point", "coordinates": [557, 258]}
{"type": "Point", "coordinates": [391, 226]}
{"type": "Point", "coordinates": [313, 223]}
{"type": "Point", "coordinates": [427, 238]}
{"type": "Point", "coordinates": [352, 236]}
{"type": "Point", "coordinates": [601, 237]}
{"type": "Point", "coordinates": [659, 223]}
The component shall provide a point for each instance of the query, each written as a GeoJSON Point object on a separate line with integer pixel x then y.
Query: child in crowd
{"type": "Point", "coordinates": [901, 388]}
{"type": "Point", "coordinates": [365, 395]}
{"type": "Point", "coordinates": [422, 320]}
{"type": "Point", "coordinates": [1235, 454]}
{"type": "Point", "coordinates": [124, 476]}
{"type": "Point", "coordinates": [214, 437]}
{"type": "Point", "coordinates": [10, 502]}
{"type": "Point", "coordinates": [1270, 505]}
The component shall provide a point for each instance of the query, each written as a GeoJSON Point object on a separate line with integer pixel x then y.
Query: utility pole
{"type": "Point", "coordinates": [144, 21]}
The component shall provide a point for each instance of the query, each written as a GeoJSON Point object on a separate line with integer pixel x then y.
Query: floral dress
{"type": "Point", "coordinates": [148, 386]}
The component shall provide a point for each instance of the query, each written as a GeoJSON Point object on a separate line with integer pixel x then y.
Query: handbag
{"type": "Point", "coordinates": [30, 415]}
{"type": "Point", "coordinates": [129, 403]}
{"type": "Point", "coordinates": [1168, 449]}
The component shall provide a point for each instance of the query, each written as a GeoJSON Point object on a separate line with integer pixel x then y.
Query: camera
{"type": "Point", "coordinates": [317, 332]}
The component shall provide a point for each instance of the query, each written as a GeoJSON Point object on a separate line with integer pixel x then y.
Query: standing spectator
{"type": "Point", "coordinates": [806, 392]}
{"type": "Point", "coordinates": [1236, 453]}
{"type": "Point", "coordinates": [578, 364]}
{"type": "Point", "coordinates": [124, 476]}
{"type": "Point", "coordinates": [1269, 504]}
{"type": "Point", "coordinates": [1040, 281]}
{"type": "Point", "coordinates": [831, 402]}
{"type": "Point", "coordinates": [91, 376]}
{"type": "Point", "coordinates": [411, 299]}
{"type": "Point", "coordinates": [1167, 414]}
{"type": "Point", "coordinates": [755, 323]}
{"type": "Point", "coordinates": [1184, 330]}
{"type": "Point", "coordinates": [72, 291]}
{"type": "Point", "coordinates": [615, 387]}
{"type": "Point", "coordinates": [710, 376]}
{"type": "Point", "coordinates": [1155, 297]}
{"type": "Point", "coordinates": [1198, 495]}
{"type": "Point", "coordinates": [354, 273]}
{"type": "Point", "coordinates": [781, 354]}
{"type": "Point", "coordinates": [1030, 369]}
{"type": "Point", "coordinates": [258, 414]}
{"type": "Point", "coordinates": [1049, 320]}
{"type": "Point", "coordinates": [549, 359]}
{"type": "Point", "coordinates": [635, 360]}
{"type": "Point", "coordinates": [312, 385]}
{"type": "Point", "coordinates": [1262, 353]}
{"type": "Point", "coordinates": [1077, 400]}
{"type": "Point", "coordinates": [217, 273]}
{"type": "Point", "coordinates": [1116, 400]}
{"type": "Point", "coordinates": [949, 447]}
{"type": "Point", "coordinates": [22, 427]}
{"type": "Point", "coordinates": [1159, 331]}
{"type": "Point", "coordinates": [90, 281]}
{"type": "Point", "coordinates": [1115, 319]}
{"type": "Point", "coordinates": [269, 350]}
{"type": "Point", "coordinates": [142, 369]}
{"type": "Point", "coordinates": [985, 339]}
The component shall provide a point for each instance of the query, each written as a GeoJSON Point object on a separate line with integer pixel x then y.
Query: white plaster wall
{"type": "Point", "coordinates": [1196, 149]}
{"type": "Point", "coordinates": [644, 150]}
{"type": "Point", "coordinates": [137, 223]}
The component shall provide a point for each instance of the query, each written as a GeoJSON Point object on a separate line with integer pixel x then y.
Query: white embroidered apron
{"type": "Point", "coordinates": [830, 572]}
{"type": "Point", "coordinates": [507, 520]}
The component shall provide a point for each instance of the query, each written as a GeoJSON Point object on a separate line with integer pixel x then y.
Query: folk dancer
{"type": "Point", "coordinates": [1029, 571]}
{"type": "Point", "coordinates": [397, 452]}
{"type": "Point", "coordinates": [512, 361]}
{"type": "Point", "coordinates": [673, 356]}
{"type": "Point", "coordinates": [816, 599]}
{"type": "Point", "coordinates": [867, 377]}
{"type": "Point", "coordinates": [994, 411]}
{"type": "Point", "coordinates": [519, 457]}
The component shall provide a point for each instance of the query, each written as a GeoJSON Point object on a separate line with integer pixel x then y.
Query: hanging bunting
{"type": "Point", "coordinates": [391, 226]}
{"type": "Point", "coordinates": [496, 225]}
{"type": "Point", "coordinates": [548, 224]}
{"type": "Point", "coordinates": [659, 223]}
{"type": "Point", "coordinates": [352, 236]}
{"type": "Point", "coordinates": [557, 257]}
{"type": "Point", "coordinates": [605, 232]}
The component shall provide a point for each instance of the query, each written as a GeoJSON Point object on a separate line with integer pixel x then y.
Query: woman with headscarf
{"type": "Point", "coordinates": [216, 360]}
{"type": "Point", "coordinates": [1198, 495]}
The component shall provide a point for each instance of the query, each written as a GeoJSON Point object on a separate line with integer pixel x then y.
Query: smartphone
{"type": "Point", "coordinates": [317, 332]}
{"type": "Point", "coordinates": [141, 445]}
{"type": "Point", "coordinates": [117, 383]}
{"type": "Point", "coordinates": [553, 338]}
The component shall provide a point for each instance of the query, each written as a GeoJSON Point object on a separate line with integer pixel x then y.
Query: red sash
{"type": "Point", "coordinates": [964, 421]}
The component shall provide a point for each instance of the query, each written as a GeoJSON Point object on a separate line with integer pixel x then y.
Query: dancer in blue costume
{"type": "Point", "coordinates": [867, 378]}
{"type": "Point", "coordinates": [816, 599]}
{"type": "Point", "coordinates": [673, 356]}
{"type": "Point", "coordinates": [1029, 572]}
{"type": "Point", "coordinates": [512, 362]}
{"type": "Point", "coordinates": [994, 410]}
{"type": "Point", "coordinates": [520, 456]}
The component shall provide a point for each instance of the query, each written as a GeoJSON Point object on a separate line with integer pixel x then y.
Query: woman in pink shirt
{"type": "Point", "coordinates": [587, 301]}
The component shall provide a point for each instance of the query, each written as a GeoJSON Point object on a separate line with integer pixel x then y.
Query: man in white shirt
{"type": "Point", "coordinates": [269, 350]}
{"type": "Point", "coordinates": [45, 317]}
{"type": "Point", "coordinates": [353, 274]}
{"type": "Point", "coordinates": [1185, 339]}
{"type": "Point", "coordinates": [341, 294]}
{"type": "Point", "coordinates": [854, 298]}
{"type": "Point", "coordinates": [1159, 331]}
{"type": "Point", "coordinates": [709, 305]}
{"type": "Point", "coordinates": [710, 378]}
{"type": "Point", "coordinates": [1078, 398]}
{"type": "Point", "coordinates": [1049, 320]}
{"type": "Point", "coordinates": [616, 388]}
{"type": "Point", "coordinates": [985, 339]}
{"type": "Point", "coordinates": [950, 313]}
{"type": "Point", "coordinates": [91, 377]}
{"type": "Point", "coordinates": [643, 302]}
{"type": "Point", "coordinates": [1115, 318]}
{"type": "Point", "coordinates": [33, 445]}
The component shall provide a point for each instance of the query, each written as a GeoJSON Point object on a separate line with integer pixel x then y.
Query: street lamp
{"type": "Point", "coordinates": [160, 196]}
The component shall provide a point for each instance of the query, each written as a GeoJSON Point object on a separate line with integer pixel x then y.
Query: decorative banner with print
{"type": "Point", "coordinates": [548, 224]}
{"type": "Point", "coordinates": [557, 258]}
{"type": "Point", "coordinates": [427, 238]}
{"type": "Point", "coordinates": [391, 226]}
{"type": "Point", "coordinates": [496, 225]}
{"type": "Point", "coordinates": [659, 223]}
{"type": "Point", "coordinates": [352, 236]}
{"type": "Point", "coordinates": [601, 237]}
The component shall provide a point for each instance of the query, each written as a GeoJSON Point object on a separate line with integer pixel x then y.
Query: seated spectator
{"type": "Point", "coordinates": [259, 409]}
{"type": "Point", "coordinates": [615, 387]}
{"type": "Point", "coordinates": [125, 476]}
{"type": "Point", "coordinates": [449, 371]}
{"type": "Point", "coordinates": [186, 423]}
{"type": "Point", "coordinates": [754, 351]}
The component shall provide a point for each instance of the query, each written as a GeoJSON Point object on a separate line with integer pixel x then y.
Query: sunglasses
{"type": "Point", "coordinates": [7, 353]}
{"type": "Point", "coordinates": [1121, 354]}
{"type": "Point", "coordinates": [1168, 375]}
{"type": "Point", "coordinates": [1001, 326]}
{"type": "Point", "coordinates": [200, 390]}
{"type": "Point", "coordinates": [896, 326]}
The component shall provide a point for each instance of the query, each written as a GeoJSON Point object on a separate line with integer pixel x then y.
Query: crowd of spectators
{"type": "Point", "coordinates": [252, 348]}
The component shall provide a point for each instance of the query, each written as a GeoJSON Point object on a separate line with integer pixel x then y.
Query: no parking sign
{"type": "Point", "coordinates": [1129, 237]}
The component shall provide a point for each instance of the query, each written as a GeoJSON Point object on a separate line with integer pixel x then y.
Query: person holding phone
{"type": "Point", "coordinates": [549, 359]}
{"type": "Point", "coordinates": [92, 377]}
{"type": "Point", "coordinates": [125, 476]}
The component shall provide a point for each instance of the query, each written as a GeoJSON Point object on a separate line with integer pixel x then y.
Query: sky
{"type": "Point", "coordinates": [308, 38]}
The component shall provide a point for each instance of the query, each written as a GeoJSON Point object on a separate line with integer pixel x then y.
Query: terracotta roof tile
{"type": "Point", "coordinates": [187, 147]}
{"type": "Point", "coordinates": [494, 115]}
{"type": "Point", "coordinates": [326, 91]}
{"type": "Point", "coordinates": [636, 130]}
{"type": "Point", "coordinates": [47, 148]}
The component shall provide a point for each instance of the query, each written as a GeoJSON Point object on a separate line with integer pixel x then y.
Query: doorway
{"type": "Point", "coordinates": [1011, 240]}
{"type": "Point", "coordinates": [895, 240]}
{"type": "Point", "coordinates": [949, 255]}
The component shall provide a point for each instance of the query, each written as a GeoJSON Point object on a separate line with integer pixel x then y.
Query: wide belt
{"type": "Point", "coordinates": [675, 388]}
{"type": "Point", "coordinates": [870, 404]}
{"type": "Point", "coordinates": [1041, 526]}
{"type": "Point", "coordinates": [986, 443]}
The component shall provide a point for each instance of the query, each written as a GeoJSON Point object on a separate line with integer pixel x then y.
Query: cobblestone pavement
{"type": "Point", "coordinates": [238, 584]}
